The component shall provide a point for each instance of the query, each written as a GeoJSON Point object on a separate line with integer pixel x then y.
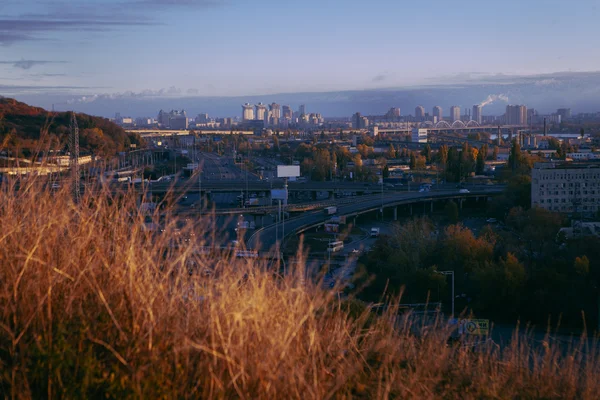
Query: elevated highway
{"type": "Point", "coordinates": [266, 238]}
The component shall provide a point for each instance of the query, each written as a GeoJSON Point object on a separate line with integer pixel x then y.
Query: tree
{"type": "Point", "coordinates": [581, 133]}
{"type": "Point", "coordinates": [426, 152]}
{"type": "Point", "coordinates": [391, 152]}
{"type": "Point", "coordinates": [413, 161]}
{"type": "Point", "coordinates": [495, 154]}
{"type": "Point", "coordinates": [582, 265]}
{"type": "Point", "coordinates": [442, 156]}
{"type": "Point", "coordinates": [515, 157]}
{"type": "Point", "coordinates": [480, 165]}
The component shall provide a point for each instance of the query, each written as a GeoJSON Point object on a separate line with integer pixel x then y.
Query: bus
{"type": "Point", "coordinates": [335, 246]}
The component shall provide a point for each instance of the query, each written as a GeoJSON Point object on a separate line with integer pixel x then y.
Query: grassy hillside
{"type": "Point", "coordinates": [92, 305]}
{"type": "Point", "coordinates": [28, 130]}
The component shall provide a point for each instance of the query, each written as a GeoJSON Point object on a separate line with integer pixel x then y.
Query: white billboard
{"type": "Point", "coordinates": [288, 171]}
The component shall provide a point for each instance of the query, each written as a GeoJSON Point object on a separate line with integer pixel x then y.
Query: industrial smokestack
{"type": "Point", "coordinates": [544, 126]}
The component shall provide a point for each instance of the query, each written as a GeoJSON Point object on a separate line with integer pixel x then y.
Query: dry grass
{"type": "Point", "coordinates": [94, 306]}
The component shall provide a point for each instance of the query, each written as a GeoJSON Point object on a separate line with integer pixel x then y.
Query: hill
{"type": "Point", "coordinates": [27, 130]}
{"type": "Point", "coordinates": [94, 306]}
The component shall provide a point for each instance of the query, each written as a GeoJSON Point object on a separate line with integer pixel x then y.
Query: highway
{"type": "Point", "coordinates": [264, 239]}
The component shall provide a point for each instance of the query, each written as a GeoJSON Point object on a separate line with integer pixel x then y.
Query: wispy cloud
{"type": "Point", "coordinates": [379, 78]}
{"type": "Point", "coordinates": [170, 92]}
{"type": "Point", "coordinates": [28, 64]}
{"type": "Point", "coordinates": [78, 15]}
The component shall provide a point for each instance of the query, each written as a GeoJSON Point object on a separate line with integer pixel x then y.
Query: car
{"type": "Point", "coordinates": [55, 186]}
{"type": "Point", "coordinates": [491, 220]}
{"type": "Point", "coordinates": [464, 191]}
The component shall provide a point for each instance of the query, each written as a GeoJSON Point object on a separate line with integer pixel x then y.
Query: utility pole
{"type": "Point", "coordinates": [452, 274]}
{"type": "Point", "coordinates": [74, 157]}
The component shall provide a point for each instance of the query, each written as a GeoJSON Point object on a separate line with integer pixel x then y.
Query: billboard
{"type": "Point", "coordinates": [288, 171]}
{"type": "Point", "coordinates": [332, 228]}
{"type": "Point", "coordinates": [279, 194]}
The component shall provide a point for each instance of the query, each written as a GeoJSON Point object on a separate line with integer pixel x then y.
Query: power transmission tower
{"type": "Point", "coordinates": [74, 157]}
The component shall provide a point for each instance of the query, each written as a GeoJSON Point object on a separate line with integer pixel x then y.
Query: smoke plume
{"type": "Point", "coordinates": [492, 98]}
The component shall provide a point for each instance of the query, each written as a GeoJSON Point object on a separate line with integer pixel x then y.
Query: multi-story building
{"type": "Point", "coordinates": [477, 113]}
{"type": "Point", "coordinates": [247, 112]}
{"type": "Point", "coordinates": [515, 115]}
{"type": "Point", "coordinates": [261, 112]}
{"type": "Point", "coordinates": [419, 135]}
{"type": "Point", "coordinates": [202, 118]}
{"type": "Point", "coordinates": [173, 120]}
{"type": "Point", "coordinates": [566, 187]}
{"type": "Point", "coordinates": [437, 113]}
{"type": "Point", "coordinates": [454, 113]}
{"type": "Point", "coordinates": [565, 113]}
{"type": "Point", "coordinates": [302, 109]}
{"type": "Point", "coordinates": [178, 120]}
{"type": "Point", "coordinates": [419, 113]}
{"type": "Point", "coordinates": [274, 114]}
{"type": "Point", "coordinates": [287, 112]}
{"type": "Point", "coordinates": [359, 122]}
{"type": "Point", "coordinates": [393, 113]}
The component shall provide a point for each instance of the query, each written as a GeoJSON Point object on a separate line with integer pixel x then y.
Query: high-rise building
{"type": "Point", "coordinates": [287, 112]}
{"type": "Point", "coordinates": [476, 113]}
{"type": "Point", "coordinates": [275, 110]}
{"type": "Point", "coordinates": [419, 113]}
{"type": "Point", "coordinates": [261, 112]}
{"type": "Point", "coordinates": [515, 115]}
{"type": "Point", "coordinates": [178, 120]}
{"type": "Point", "coordinates": [437, 113]}
{"type": "Point", "coordinates": [455, 113]}
{"type": "Point", "coordinates": [393, 112]}
{"type": "Point", "coordinates": [565, 113]}
{"type": "Point", "coordinates": [202, 118]}
{"type": "Point", "coordinates": [247, 112]}
{"type": "Point", "coordinates": [302, 110]}
{"type": "Point", "coordinates": [174, 119]}
{"type": "Point", "coordinates": [359, 122]}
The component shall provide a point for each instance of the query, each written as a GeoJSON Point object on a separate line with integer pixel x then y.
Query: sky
{"type": "Point", "coordinates": [241, 47]}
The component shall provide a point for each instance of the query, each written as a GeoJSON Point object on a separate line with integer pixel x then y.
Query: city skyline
{"type": "Point", "coordinates": [43, 44]}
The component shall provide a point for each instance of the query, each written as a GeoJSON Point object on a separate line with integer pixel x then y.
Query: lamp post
{"type": "Point", "coordinates": [452, 274]}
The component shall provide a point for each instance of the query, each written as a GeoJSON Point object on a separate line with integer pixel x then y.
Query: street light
{"type": "Point", "coordinates": [452, 274]}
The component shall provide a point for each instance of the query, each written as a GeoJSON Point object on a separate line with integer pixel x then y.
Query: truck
{"type": "Point", "coordinates": [374, 232]}
{"type": "Point", "coordinates": [330, 210]}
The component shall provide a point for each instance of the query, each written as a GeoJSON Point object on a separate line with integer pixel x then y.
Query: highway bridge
{"type": "Point", "coordinates": [266, 238]}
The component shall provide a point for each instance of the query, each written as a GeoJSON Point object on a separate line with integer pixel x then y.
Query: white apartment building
{"type": "Point", "coordinates": [566, 187]}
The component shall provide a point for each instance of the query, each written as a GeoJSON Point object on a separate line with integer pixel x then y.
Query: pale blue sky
{"type": "Point", "coordinates": [242, 47]}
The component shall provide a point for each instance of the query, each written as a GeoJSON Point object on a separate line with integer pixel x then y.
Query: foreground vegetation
{"type": "Point", "coordinates": [95, 305]}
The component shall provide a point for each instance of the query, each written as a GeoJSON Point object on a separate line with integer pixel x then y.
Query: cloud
{"type": "Point", "coordinates": [27, 64]}
{"type": "Point", "coordinates": [170, 92]}
{"type": "Point", "coordinates": [14, 30]}
{"type": "Point", "coordinates": [8, 38]}
{"type": "Point", "coordinates": [379, 78]}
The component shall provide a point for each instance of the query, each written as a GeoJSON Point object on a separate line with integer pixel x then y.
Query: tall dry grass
{"type": "Point", "coordinates": [92, 305]}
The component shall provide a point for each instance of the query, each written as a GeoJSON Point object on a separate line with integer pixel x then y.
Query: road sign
{"type": "Point", "coordinates": [476, 327]}
{"type": "Point", "coordinates": [279, 194]}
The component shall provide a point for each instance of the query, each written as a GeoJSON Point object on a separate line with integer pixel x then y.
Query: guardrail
{"type": "Point", "coordinates": [399, 201]}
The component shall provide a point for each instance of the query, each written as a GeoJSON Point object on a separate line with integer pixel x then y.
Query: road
{"type": "Point", "coordinates": [267, 237]}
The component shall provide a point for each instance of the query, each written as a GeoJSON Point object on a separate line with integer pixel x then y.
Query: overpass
{"type": "Point", "coordinates": [149, 133]}
{"type": "Point", "coordinates": [265, 238]}
{"type": "Point", "coordinates": [456, 126]}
